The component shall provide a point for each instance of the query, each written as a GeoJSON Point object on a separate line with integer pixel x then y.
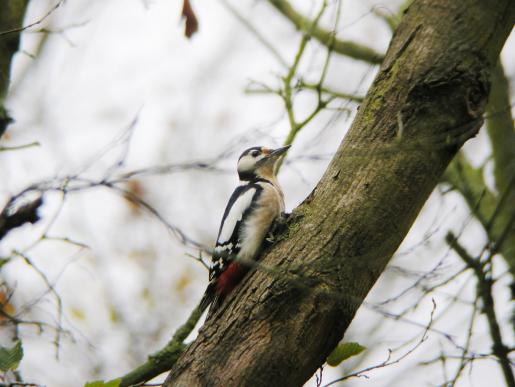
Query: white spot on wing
{"type": "Point", "coordinates": [235, 214]}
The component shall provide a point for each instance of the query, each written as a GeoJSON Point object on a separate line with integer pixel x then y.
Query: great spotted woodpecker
{"type": "Point", "coordinates": [252, 208]}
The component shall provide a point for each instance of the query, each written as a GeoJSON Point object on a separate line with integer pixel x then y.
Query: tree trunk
{"type": "Point", "coordinates": [427, 99]}
{"type": "Point", "coordinates": [11, 17]}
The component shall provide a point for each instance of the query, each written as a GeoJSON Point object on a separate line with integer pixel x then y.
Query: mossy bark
{"type": "Point", "coordinates": [428, 98]}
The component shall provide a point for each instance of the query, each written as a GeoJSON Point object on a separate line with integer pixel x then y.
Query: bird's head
{"type": "Point", "coordinates": [259, 162]}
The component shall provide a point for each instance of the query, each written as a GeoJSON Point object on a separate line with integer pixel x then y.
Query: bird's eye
{"type": "Point", "coordinates": [254, 153]}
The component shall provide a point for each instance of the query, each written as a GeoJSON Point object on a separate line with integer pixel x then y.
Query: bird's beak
{"type": "Point", "coordinates": [273, 155]}
{"type": "Point", "coordinates": [278, 152]}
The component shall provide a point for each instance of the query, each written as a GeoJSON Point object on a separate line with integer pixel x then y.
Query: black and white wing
{"type": "Point", "coordinates": [228, 243]}
{"type": "Point", "coordinates": [228, 240]}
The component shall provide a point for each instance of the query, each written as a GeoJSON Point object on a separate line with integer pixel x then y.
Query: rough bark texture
{"type": "Point", "coordinates": [427, 99]}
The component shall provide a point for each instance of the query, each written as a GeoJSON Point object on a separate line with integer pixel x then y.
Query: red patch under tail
{"type": "Point", "coordinates": [230, 278]}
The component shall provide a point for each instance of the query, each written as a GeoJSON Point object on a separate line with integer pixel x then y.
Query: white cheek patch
{"type": "Point", "coordinates": [246, 163]}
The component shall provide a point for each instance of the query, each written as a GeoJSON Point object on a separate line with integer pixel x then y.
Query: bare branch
{"type": "Point", "coordinates": [485, 283]}
{"type": "Point", "coordinates": [11, 217]}
{"type": "Point", "coordinates": [18, 147]}
{"type": "Point", "coordinates": [259, 36]}
{"type": "Point", "coordinates": [389, 361]}
{"type": "Point", "coordinates": [343, 47]}
{"type": "Point", "coordinates": [37, 22]}
{"type": "Point", "coordinates": [164, 359]}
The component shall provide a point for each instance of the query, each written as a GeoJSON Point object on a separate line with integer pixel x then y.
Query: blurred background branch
{"type": "Point", "coordinates": [493, 207]}
{"type": "Point", "coordinates": [327, 37]}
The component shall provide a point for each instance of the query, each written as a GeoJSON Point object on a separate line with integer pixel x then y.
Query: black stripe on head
{"type": "Point", "coordinates": [247, 151]}
{"type": "Point", "coordinates": [248, 174]}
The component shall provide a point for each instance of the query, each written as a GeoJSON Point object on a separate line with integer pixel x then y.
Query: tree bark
{"type": "Point", "coordinates": [428, 98]}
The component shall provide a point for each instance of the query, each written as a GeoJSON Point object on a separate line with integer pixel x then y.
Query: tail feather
{"type": "Point", "coordinates": [216, 302]}
{"type": "Point", "coordinates": [221, 286]}
{"type": "Point", "coordinates": [211, 299]}
{"type": "Point", "coordinates": [208, 297]}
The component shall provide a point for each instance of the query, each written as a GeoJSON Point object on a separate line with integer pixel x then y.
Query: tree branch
{"type": "Point", "coordinates": [343, 47]}
{"type": "Point", "coordinates": [484, 289]}
{"type": "Point", "coordinates": [501, 132]}
{"type": "Point", "coordinates": [11, 219]}
{"type": "Point", "coordinates": [11, 17]}
{"type": "Point", "coordinates": [164, 359]}
{"type": "Point", "coordinates": [494, 210]}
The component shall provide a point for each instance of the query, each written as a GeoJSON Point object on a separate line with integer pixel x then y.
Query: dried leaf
{"type": "Point", "coordinates": [135, 189]}
{"type": "Point", "coordinates": [6, 306]}
{"type": "Point", "coordinates": [191, 19]}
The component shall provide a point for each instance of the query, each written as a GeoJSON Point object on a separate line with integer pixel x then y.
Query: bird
{"type": "Point", "coordinates": [248, 216]}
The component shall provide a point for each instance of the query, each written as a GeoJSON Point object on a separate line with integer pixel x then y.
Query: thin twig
{"type": "Point", "coordinates": [484, 290]}
{"type": "Point", "coordinates": [51, 288]}
{"type": "Point", "coordinates": [259, 36]}
{"type": "Point", "coordinates": [37, 22]}
{"type": "Point", "coordinates": [164, 359]}
{"type": "Point", "coordinates": [389, 361]}
{"type": "Point", "coordinates": [18, 147]}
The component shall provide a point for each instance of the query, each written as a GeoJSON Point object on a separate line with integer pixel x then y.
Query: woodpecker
{"type": "Point", "coordinates": [251, 210]}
